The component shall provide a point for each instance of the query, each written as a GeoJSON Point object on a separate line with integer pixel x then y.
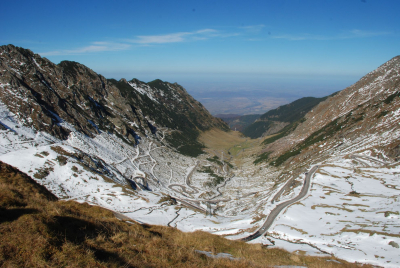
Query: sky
{"type": "Point", "coordinates": [306, 47]}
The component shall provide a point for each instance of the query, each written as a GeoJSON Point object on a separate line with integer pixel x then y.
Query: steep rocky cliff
{"type": "Point", "coordinates": [58, 99]}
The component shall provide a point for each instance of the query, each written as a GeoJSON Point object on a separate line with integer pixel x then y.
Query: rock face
{"type": "Point", "coordinates": [366, 112]}
{"type": "Point", "coordinates": [58, 98]}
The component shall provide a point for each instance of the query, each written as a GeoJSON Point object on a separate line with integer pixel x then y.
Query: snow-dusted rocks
{"type": "Point", "coordinates": [117, 144]}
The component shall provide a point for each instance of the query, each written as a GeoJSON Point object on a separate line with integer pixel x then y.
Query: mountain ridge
{"type": "Point", "coordinates": [72, 93]}
{"type": "Point", "coordinates": [367, 96]}
{"type": "Point", "coordinates": [282, 118]}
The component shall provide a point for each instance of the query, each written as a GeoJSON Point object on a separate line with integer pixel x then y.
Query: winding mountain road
{"type": "Point", "coordinates": [275, 212]}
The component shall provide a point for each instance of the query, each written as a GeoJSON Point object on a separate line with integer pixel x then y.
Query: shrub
{"type": "Point", "coordinates": [62, 160]}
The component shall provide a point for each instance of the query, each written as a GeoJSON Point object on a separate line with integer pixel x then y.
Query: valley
{"type": "Point", "coordinates": [328, 185]}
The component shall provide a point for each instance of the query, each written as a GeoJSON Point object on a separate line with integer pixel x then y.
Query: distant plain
{"type": "Point", "coordinates": [241, 103]}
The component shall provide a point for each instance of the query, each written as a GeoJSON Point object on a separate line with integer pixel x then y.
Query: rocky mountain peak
{"type": "Point", "coordinates": [69, 96]}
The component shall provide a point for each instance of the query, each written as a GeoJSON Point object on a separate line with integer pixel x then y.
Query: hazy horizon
{"type": "Point", "coordinates": [291, 47]}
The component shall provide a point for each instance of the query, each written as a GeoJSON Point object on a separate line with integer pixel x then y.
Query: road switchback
{"type": "Point", "coordinates": [275, 212]}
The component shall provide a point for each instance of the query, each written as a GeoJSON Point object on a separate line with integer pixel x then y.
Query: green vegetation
{"type": "Point", "coordinates": [325, 132]}
{"type": "Point", "coordinates": [275, 137]}
{"type": "Point", "coordinates": [186, 144]}
{"type": "Point", "coordinates": [391, 97]}
{"type": "Point", "coordinates": [256, 129]}
{"type": "Point", "coordinates": [215, 178]}
{"type": "Point", "coordinates": [383, 113]}
{"type": "Point", "coordinates": [216, 160]}
{"type": "Point", "coordinates": [282, 158]}
{"type": "Point", "coordinates": [229, 164]}
{"type": "Point", "coordinates": [284, 132]}
{"type": "Point", "coordinates": [262, 158]}
{"type": "Point", "coordinates": [291, 113]}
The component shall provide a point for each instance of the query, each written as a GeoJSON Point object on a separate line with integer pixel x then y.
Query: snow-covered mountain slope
{"type": "Point", "coordinates": [58, 99]}
{"type": "Point", "coordinates": [78, 134]}
{"type": "Point", "coordinates": [354, 137]}
{"type": "Point", "coordinates": [352, 211]}
{"type": "Point", "coordinates": [367, 108]}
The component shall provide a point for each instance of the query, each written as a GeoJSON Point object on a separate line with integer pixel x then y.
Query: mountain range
{"type": "Point", "coordinates": [52, 98]}
{"type": "Point", "coordinates": [152, 153]}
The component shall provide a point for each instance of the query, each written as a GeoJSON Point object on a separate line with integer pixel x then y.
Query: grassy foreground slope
{"type": "Point", "coordinates": [37, 230]}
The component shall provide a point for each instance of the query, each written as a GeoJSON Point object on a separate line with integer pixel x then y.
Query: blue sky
{"type": "Point", "coordinates": [305, 46]}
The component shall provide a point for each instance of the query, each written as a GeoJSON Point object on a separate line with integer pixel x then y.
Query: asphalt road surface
{"type": "Point", "coordinates": [275, 212]}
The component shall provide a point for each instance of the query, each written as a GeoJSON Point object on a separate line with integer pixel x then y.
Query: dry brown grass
{"type": "Point", "coordinates": [221, 140]}
{"type": "Point", "coordinates": [235, 146]}
{"type": "Point", "coordinates": [36, 230]}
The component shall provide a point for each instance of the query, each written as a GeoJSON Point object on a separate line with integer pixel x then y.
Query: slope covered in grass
{"type": "Point", "coordinates": [38, 230]}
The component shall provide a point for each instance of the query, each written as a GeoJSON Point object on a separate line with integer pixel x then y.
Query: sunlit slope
{"type": "Point", "coordinates": [233, 145]}
{"type": "Point", "coordinates": [367, 112]}
{"type": "Point", "coordinates": [38, 230]}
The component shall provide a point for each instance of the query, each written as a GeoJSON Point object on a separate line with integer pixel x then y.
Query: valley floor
{"type": "Point", "coordinates": [351, 210]}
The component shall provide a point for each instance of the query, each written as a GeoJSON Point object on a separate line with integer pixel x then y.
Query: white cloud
{"type": "Point", "coordinates": [95, 47]}
{"type": "Point", "coordinates": [178, 37]}
{"type": "Point", "coordinates": [160, 39]}
{"type": "Point", "coordinates": [206, 31]}
{"type": "Point", "coordinates": [203, 34]}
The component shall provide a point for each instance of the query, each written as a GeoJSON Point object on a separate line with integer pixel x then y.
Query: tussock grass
{"type": "Point", "coordinates": [37, 230]}
{"type": "Point", "coordinates": [329, 206]}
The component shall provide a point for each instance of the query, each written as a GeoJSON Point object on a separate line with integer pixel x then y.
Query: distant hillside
{"type": "Point", "coordinates": [281, 118]}
{"type": "Point", "coordinates": [238, 122]}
